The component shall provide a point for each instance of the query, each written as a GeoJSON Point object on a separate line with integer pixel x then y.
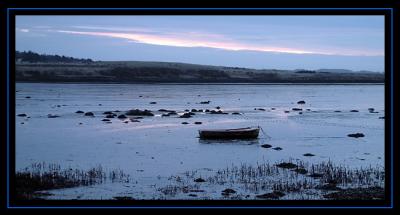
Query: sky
{"type": "Point", "coordinates": [261, 42]}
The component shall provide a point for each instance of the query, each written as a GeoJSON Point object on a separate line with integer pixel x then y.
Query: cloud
{"type": "Point", "coordinates": [199, 39]}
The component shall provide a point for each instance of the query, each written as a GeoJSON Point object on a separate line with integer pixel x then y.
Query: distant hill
{"type": "Point", "coordinates": [54, 68]}
{"type": "Point", "coordinates": [33, 57]}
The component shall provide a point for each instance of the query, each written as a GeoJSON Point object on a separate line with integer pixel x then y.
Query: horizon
{"type": "Point", "coordinates": [260, 42]}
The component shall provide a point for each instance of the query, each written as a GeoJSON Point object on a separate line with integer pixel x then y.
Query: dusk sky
{"type": "Point", "coordinates": [270, 42]}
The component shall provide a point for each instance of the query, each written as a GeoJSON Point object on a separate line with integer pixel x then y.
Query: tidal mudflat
{"type": "Point", "coordinates": [318, 141]}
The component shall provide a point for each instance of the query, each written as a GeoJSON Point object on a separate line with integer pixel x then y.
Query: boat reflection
{"type": "Point", "coordinates": [230, 141]}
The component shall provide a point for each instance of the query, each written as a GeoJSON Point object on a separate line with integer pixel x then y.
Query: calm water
{"type": "Point", "coordinates": [162, 146]}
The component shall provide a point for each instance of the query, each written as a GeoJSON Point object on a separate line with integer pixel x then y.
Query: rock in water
{"type": "Point", "coordinates": [89, 114]}
{"type": "Point", "coordinates": [356, 135]}
{"type": "Point", "coordinates": [22, 115]}
{"type": "Point", "coordinates": [79, 111]}
{"type": "Point", "coordinates": [301, 102]}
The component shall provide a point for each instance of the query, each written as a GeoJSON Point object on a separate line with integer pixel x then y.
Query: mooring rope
{"type": "Point", "coordinates": [265, 134]}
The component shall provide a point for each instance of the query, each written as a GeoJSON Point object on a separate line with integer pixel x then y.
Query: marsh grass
{"type": "Point", "coordinates": [287, 176]}
{"type": "Point", "coordinates": [43, 176]}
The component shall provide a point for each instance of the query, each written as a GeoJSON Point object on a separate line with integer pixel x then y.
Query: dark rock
{"type": "Point", "coordinates": [58, 105]}
{"type": "Point", "coordinates": [301, 171]}
{"type": "Point", "coordinates": [356, 135]}
{"type": "Point", "coordinates": [382, 117]}
{"type": "Point", "coordinates": [28, 97]}
{"type": "Point", "coordinates": [199, 180]}
{"type": "Point", "coordinates": [173, 113]}
{"type": "Point", "coordinates": [79, 111]}
{"type": "Point", "coordinates": [89, 114]}
{"type": "Point", "coordinates": [236, 113]}
{"type": "Point", "coordinates": [191, 113]}
{"type": "Point", "coordinates": [185, 115]}
{"type": "Point", "coordinates": [207, 110]}
{"type": "Point", "coordinates": [153, 103]}
{"type": "Point", "coordinates": [80, 123]}
{"type": "Point", "coordinates": [273, 195]}
{"type": "Point", "coordinates": [138, 117]}
{"type": "Point", "coordinates": [198, 123]}
{"type": "Point", "coordinates": [105, 120]}
{"type": "Point", "coordinates": [206, 102]}
{"type": "Point", "coordinates": [137, 112]}
{"type": "Point", "coordinates": [266, 146]}
{"type": "Point", "coordinates": [140, 96]}
{"type": "Point", "coordinates": [165, 114]}
{"type": "Point", "coordinates": [187, 110]}
{"type": "Point", "coordinates": [301, 102]}
{"type": "Point", "coordinates": [287, 165]}
{"type": "Point", "coordinates": [297, 109]}
{"type": "Point", "coordinates": [22, 115]}
{"type": "Point", "coordinates": [300, 112]}
{"type": "Point", "coordinates": [218, 107]}
{"type": "Point", "coordinates": [371, 109]}
{"type": "Point", "coordinates": [117, 111]}
{"type": "Point", "coordinates": [272, 108]}
{"type": "Point", "coordinates": [100, 104]}
{"type": "Point", "coordinates": [354, 111]}
{"type": "Point", "coordinates": [122, 116]}
{"type": "Point", "coordinates": [286, 111]}
{"type": "Point", "coordinates": [277, 148]}
{"type": "Point", "coordinates": [262, 109]}
{"type": "Point", "coordinates": [108, 112]}
{"type": "Point", "coordinates": [228, 192]}
{"type": "Point", "coordinates": [193, 110]}
{"type": "Point", "coordinates": [308, 109]}
{"type": "Point", "coordinates": [185, 123]}
{"type": "Point", "coordinates": [308, 155]}
{"type": "Point", "coordinates": [337, 111]}
{"type": "Point", "coordinates": [193, 195]}
{"type": "Point", "coordinates": [126, 121]}
{"type": "Point", "coordinates": [110, 116]}
{"type": "Point", "coordinates": [52, 116]}
{"type": "Point", "coordinates": [165, 110]}
{"type": "Point", "coordinates": [329, 186]}
{"type": "Point", "coordinates": [217, 112]}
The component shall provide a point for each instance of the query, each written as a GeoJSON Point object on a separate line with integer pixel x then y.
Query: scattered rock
{"type": "Point", "coordinates": [134, 120]}
{"type": "Point", "coordinates": [193, 195]}
{"type": "Point", "coordinates": [286, 111]}
{"type": "Point", "coordinates": [107, 112]}
{"type": "Point", "coordinates": [382, 117]}
{"type": "Point", "coordinates": [300, 112]}
{"type": "Point", "coordinates": [185, 115]}
{"type": "Point", "coordinates": [28, 97]}
{"type": "Point", "coordinates": [22, 115]}
{"type": "Point", "coordinates": [199, 180]}
{"type": "Point", "coordinates": [277, 148]}
{"type": "Point", "coordinates": [165, 110]}
{"type": "Point", "coordinates": [301, 102]}
{"type": "Point", "coordinates": [165, 114]}
{"type": "Point", "coordinates": [217, 112]}
{"type": "Point", "coordinates": [207, 110]}
{"type": "Point", "coordinates": [198, 123]}
{"type": "Point", "coordinates": [371, 193]}
{"type": "Point", "coordinates": [273, 195]}
{"type": "Point", "coordinates": [236, 113]}
{"type": "Point", "coordinates": [266, 146]}
{"type": "Point", "coordinates": [22, 123]}
{"type": "Point", "coordinates": [354, 111]}
{"type": "Point", "coordinates": [218, 107]}
{"type": "Point", "coordinates": [205, 102]}
{"type": "Point", "coordinates": [193, 110]}
{"type": "Point", "coordinates": [185, 123]}
{"type": "Point", "coordinates": [297, 109]}
{"type": "Point", "coordinates": [287, 165]}
{"type": "Point", "coordinates": [356, 135]}
{"type": "Point", "coordinates": [105, 120]}
{"type": "Point", "coordinates": [89, 114]}
{"type": "Point", "coordinates": [126, 121]}
{"type": "Point", "coordinates": [153, 103]}
{"type": "Point", "coordinates": [272, 108]}
{"type": "Point", "coordinates": [100, 104]}
{"type": "Point", "coordinates": [371, 109]}
{"type": "Point", "coordinates": [261, 109]}
{"type": "Point", "coordinates": [80, 123]}
{"type": "Point", "coordinates": [122, 116]}
{"type": "Point", "coordinates": [228, 192]}
{"type": "Point", "coordinates": [337, 111]}
{"type": "Point", "coordinates": [52, 116]}
{"type": "Point", "coordinates": [308, 155]}
{"type": "Point", "coordinates": [79, 111]}
{"type": "Point", "coordinates": [137, 112]}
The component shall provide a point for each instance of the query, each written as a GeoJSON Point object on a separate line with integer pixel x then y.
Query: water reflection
{"type": "Point", "coordinates": [231, 141]}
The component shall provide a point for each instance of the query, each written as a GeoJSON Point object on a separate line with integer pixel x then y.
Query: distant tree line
{"type": "Point", "coordinates": [33, 57]}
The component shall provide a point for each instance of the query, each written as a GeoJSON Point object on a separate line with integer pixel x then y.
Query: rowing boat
{"type": "Point", "coordinates": [237, 133]}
